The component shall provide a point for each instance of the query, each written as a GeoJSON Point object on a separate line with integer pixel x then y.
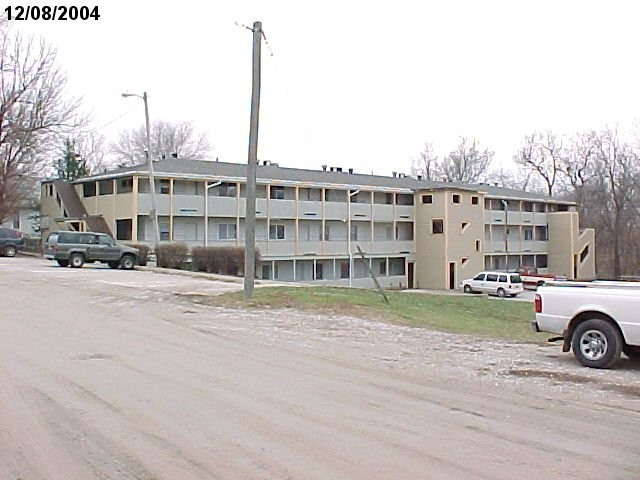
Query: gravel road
{"type": "Point", "coordinates": [108, 374]}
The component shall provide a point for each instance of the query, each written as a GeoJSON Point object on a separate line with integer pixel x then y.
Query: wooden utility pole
{"type": "Point", "coordinates": [252, 165]}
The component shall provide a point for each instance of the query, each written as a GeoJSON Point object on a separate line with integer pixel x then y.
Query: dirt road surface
{"type": "Point", "coordinates": [123, 375]}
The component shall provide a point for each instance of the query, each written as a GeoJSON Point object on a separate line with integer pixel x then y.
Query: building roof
{"type": "Point", "coordinates": [271, 172]}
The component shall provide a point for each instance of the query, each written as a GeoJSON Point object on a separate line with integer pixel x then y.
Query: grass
{"type": "Point", "coordinates": [472, 315]}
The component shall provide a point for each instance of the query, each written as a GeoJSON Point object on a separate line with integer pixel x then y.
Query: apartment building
{"type": "Point", "coordinates": [309, 223]}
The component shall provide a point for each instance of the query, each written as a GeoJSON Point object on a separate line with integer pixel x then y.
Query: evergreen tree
{"type": "Point", "coordinates": [70, 165]}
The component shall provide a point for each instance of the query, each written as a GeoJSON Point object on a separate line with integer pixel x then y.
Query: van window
{"type": "Point", "coordinates": [516, 279]}
{"type": "Point", "coordinates": [492, 277]}
{"type": "Point", "coordinates": [480, 276]}
{"type": "Point", "coordinates": [503, 278]}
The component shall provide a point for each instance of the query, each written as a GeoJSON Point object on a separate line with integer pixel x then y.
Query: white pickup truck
{"type": "Point", "coordinates": [598, 320]}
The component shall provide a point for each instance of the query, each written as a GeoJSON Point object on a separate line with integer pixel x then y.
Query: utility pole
{"type": "Point", "coordinates": [252, 165]}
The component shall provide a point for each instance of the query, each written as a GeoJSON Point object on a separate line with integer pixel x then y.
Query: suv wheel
{"type": "Point", "coordinates": [596, 343]}
{"type": "Point", "coordinates": [127, 262]}
{"type": "Point", "coordinates": [63, 263]}
{"type": "Point", "coordinates": [10, 251]}
{"type": "Point", "coordinates": [76, 260]}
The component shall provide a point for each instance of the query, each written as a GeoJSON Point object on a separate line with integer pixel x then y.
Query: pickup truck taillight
{"type": "Point", "coordinates": [537, 303]}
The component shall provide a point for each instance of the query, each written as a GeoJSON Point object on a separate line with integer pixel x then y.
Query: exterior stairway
{"type": "Point", "coordinates": [73, 208]}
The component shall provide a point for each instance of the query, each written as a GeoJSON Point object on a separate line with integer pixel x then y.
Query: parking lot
{"type": "Point", "coordinates": [125, 375]}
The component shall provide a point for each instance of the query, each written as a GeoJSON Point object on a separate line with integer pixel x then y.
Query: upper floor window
{"type": "Point", "coordinates": [455, 198]}
{"type": "Point", "coordinates": [276, 232]}
{"type": "Point", "coordinates": [106, 187]}
{"type": "Point", "coordinates": [437, 225]}
{"type": "Point", "coordinates": [427, 198]}
{"type": "Point", "coordinates": [165, 186]}
{"type": "Point", "coordinates": [474, 200]}
{"type": "Point", "coordinates": [125, 185]}
{"type": "Point", "coordinates": [227, 190]}
{"type": "Point", "coordinates": [277, 192]}
{"type": "Point", "coordinates": [88, 189]}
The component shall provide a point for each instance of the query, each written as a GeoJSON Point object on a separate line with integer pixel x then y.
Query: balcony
{"type": "Point", "coordinates": [188, 205]}
{"type": "Point", "coordinates": [282, 208]}
{"type": "Point", "coordinates": [335, 211]}
{"type": "Point", "coordinates": [382, 213]}
{"type": "Point", "coordinates": [307, 209]}
{"type": "Point", "coordinates": [404, 212]}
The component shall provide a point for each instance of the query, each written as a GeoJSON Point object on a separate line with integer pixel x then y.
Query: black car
{"type": "Point", "coordinates": [11, 241]}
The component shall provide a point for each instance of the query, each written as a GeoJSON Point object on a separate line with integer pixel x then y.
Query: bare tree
{"type": "Point", "coordinates": [427, 163]}
{"type": "Point", "coordinates": [518, 178]}
{"type": "Point", "coordinates": [34, 115]}
{"type": "Point", "coordinates": [542, 152]}
{"type": "Point", "coordinates": [467, 163]}
{"type": "Point", "coordinates": [167, 139]}
{"type": "Point", "coordinates": [617, 188]}
{"type": "Point", "coordinates": [578, 167]}
{"type": "Point", "coordinates": [92, 148]}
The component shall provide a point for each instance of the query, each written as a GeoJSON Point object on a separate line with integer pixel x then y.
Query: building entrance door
{"type": "Point", "coordinates": [452, 275]}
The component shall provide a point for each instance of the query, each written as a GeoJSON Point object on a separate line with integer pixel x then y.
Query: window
{"type": "Point", "coordinates": [165, 186]}
{"type": "Point", "coordinates": [437, 225]}
{"type": "Point", "coordinates": [464, 260]}
{"type": "Point", "coordinates": [463, 226]}
{"type": "Point", "coordinates": [227, 231]}
{"type": "Point", "coordinates": [124, 229]}
{"type": "Point", "coordinates": [164, 232]}
{"type": "Point", "coordinates": [105, 240]}
{"type": "Point", "coordinates": [383, 267]}
{"type": "Point", "coordinates": [584, 253]}
{"type": "Point", "coordinates": [492, 277]}
{"type": "Point", "coordinates": [455, 198]}
{"type": "Point", "coordinates": [87, 238]}
{"type": "Point", "coordinates": [106, 187]}
{"type": "Point", "coordinates": [319, 273]}
{"type": "Point", "coordinates": [125, 185]}
{"type": "Point", "coordinates": [276, 232]}
{"type": "Point", "coordinates": [354, 232]}
{"type": "Point", "coordinates": [477, 245]}
{"type": "Point", "coordinates": [389, 199]}
{"type": "Point", "coordinates": [88, 189]}
{"type": "Point", "coordinates": [502, 278]}
{"type": "Point", "coordinates": [427, 198]}
{"type": "Point", "coordinates": [474, 200]}
{"type": "Point", "coordinates": [277, 192]}
{"type": "Point", "coordinates": [227, 190]}
{"type": "Point", "coordinates": [344, 270]}
{"type": "Point", "coordinates": [528, 233]}
{"type": "Point", "coordinates": [541, 233]}
{"type": "Point", "coordinates": [479, 277]}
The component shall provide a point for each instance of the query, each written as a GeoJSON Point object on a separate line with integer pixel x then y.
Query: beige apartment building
{"type": "Point", "coordinates": [309, 223]}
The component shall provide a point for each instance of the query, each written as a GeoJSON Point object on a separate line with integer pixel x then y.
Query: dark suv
{"type": "Point", "coordinates": [75, 248]}
{"type": "Point", "coordinates": [11, 241]}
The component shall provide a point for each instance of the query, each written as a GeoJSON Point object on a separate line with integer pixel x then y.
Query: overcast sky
{"type": "Point", "coordinates": [354, 83]}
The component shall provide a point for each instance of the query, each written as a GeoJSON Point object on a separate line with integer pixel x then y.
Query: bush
{"type": "Point", "coordinates": [222, 260]}
{"type": "Point", "coordinates": [143, 254]}
{"type": "Point", "coordinates": [171, 255]}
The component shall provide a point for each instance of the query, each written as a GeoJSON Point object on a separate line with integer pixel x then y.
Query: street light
{"type": "Point", "coordinates": [206, 210]}
{"type": "Point", "coordinates": [152, 183]}
{"type": "Point", "coordinates": [351, 194]}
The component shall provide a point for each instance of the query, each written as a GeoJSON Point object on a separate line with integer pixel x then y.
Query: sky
{"type": "Point", "coordinates": [355, 84]}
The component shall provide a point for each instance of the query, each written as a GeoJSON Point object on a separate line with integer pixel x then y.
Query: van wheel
{"type": "Point", "coordinates": [76, 260]}
{"type": "Point", "coordinates": [467, 289]}
{"type": "Point", "coordinates": [10, 251]}
{"type": "Point", "coordinates": [596, 343]}
{"type": "Point", "coordinates": [127, 262]}
{"type": "Point", "coordinates": [501, 293]}
{"type": "Point", "coordinates": [63, 263]}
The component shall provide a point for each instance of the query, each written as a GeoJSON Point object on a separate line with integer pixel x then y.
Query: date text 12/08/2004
{"type": "Point", "coordinates": [55, 12]}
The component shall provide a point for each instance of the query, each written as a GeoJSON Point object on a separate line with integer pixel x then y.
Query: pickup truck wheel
{"type": "Point", "coordinates": [10, 251]}
{"type": "Point", "coordinates": [63, 263]}
{"type": "Point", "coordinates": [467, 289]}
{"type": "Point", "coordinates": [76, 260]}
{"type": "Point", "coordinates": [501, 293]}
{"type": "Point", "coordinates": [127, 262]}
{"type": "Point", "coordinates": [596, 343]}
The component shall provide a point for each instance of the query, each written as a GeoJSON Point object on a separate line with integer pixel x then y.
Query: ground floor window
{"type": "Point", "coordinates": [124, 229]}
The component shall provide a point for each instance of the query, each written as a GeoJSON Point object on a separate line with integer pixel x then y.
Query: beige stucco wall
{"type": "Point", "coordinates": [566, 242]}
{"type": "Point", "coordinates": [434, 252]}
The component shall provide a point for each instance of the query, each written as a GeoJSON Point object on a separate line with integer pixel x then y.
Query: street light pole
{"type": "Point", "coordinates": [153, 213]}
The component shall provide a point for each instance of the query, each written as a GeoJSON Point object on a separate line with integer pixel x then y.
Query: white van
{"type": "Point", "coordinates": [502, 284]}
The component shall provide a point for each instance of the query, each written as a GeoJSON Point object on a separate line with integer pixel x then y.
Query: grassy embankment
{"type": "Point", "coordinates": [474, 314]}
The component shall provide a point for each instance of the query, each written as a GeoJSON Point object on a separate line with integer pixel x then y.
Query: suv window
{"type": "Point", "coordinates": [87, 238]}
{"type": "Point", "coordinates": [104, 240]}
{"type": "Point", "coordinates": [66, 237]}
{"type": "Point", "coordinates": [503, 278]}
{"type": "Point", "coordinates": [480, 276]}
{"type": "Point", "coordinates": [492, 277]}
